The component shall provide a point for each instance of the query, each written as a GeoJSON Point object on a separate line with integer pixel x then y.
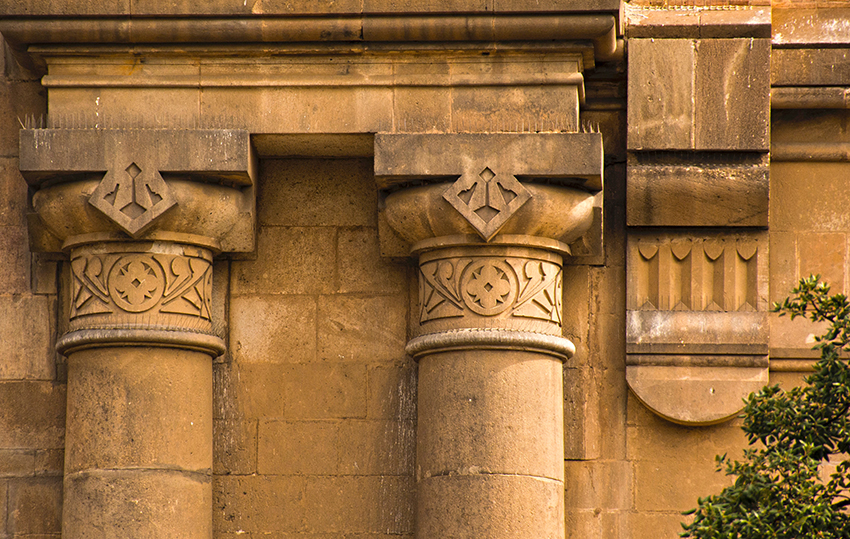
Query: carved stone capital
{"type": "Point", "coordinates": [140, 293]}
{"type": "Point", "coordinates": [190, 186]}
{"type": "Point", "coordinates": [490, 218]}
{"type": "Point", "coordinates": [140, 213]}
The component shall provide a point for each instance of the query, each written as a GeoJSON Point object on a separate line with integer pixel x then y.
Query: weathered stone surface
{"type": "Point", "coordinates": [697, 195]}
{"type": "Point", "coordinates": [732, 94]}
{"type": "Point", "coordinates": [810, 67]}
{"type": "Point", "coordinates": [234, 447]}
{"type": "Point", "coordinates": [804, 197]}
{"type": "Point", "coordinates": [359, 504]}
{"type": "Point", "coordinates": [810, 25]}
{"type": "Point", "coordinates": [258, 504]}
{"type": "Point", "coordinates": [362, 329]}
{"type": "Point", "coordinates": [460, 505]}
{"type": "Point", "coordinates": [661, 94]}
{"type": "Point", "coordinates": [291, 260]}
{"type": "Point", "coordinates": [377, 447]}
{"type": "Point", "coordinates": [40, 424]}
{"type": "Point", "coordinates": [361, 268]}
{"type": "Point", "coordinates": [325, 391]}
{"type": "Point", "coordinates": [392, 392]}
{"type": "Point", "coordinates": [293, 319]}
{"type": "Point", "coordinates": [317, 192]}
{"type": "Point", "coordinates": [703, 94]}
{"type": "Point", "coordinates": [674, 485]}
{"type": "Point", "coordinates": [34, 506]}
{"type": "Point", "coordinates": [598, 484]}
{"type": "Point", "coordinates": [25, 331]}
{"type": "Point", "coordinates": [298, 448]}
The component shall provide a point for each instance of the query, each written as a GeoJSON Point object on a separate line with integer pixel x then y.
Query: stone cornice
{"type": "Point", "coordinates": [601, 29]}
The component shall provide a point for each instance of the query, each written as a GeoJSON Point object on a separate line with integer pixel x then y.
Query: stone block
{"type": "Point", "coordinates": [361, 267]}
{"type": "Point", "coordinates": [515, 109]}
{"type": "Point", "coordinates": [783, 264]}
{"type": "Point", "coordinates": [317, 192]}
{"type": "Point", "coordinates": [594, 524]}
{"type": "Point", "coordinates": [581, 410]}
{"type": "Point", "coordinates": [69, 7]}
{"type": "Point", "coordinates": [258, 390]}
{"type": "Point", "coordinates": [18, 100]}
{"type": "Point", "coordinates": [809, 196]}
{"type": "Point", "coordinates": [362, 329]}
{"type": "Point", "coordinates": [357, 504]}
{"type": "Point", "coordinates": [258, 504]}
{"type": "Point", "coordinates": [809, 24]}
{"type": "Point", "coordinates": [325, 391]}
{"type": "Point", "coordinates": [823, 254]}
{"type": "Point", "coordinates": [291, 260]}
{"type": "Point", "coordinates": [698, 194]}
{"type": "Point", "coordinates": [810, 67]}
{"type": "Point", "coordinates": [377, 447]}
{"type": "Point", "coordinates": [598, 484]}
{"type": "Point", "coordinates": [675, 485]}
{"type": "Point", "coordinates": [422, 110]}
{"type": "Point", "coordinates": [40, 424]}
{"type": "Point", "coordinates": [273, 328]}
{"type": "Point", "coordinates": [661, 440]}
{"type": "Point", "coordinates": [793, 339]}
{"type": "Point", "coordinates": [34, 505]}
{"type": "Point", "coordinates": [14, 260]}
{"type": "Point", "coordinates": [657, 524]}
{"type": "Point", "coordinates": [392, 392]}
{"type": "Point", "coordinates": [234, 447]}
{"type": "Point", "coordinates": [407, 157]}
{"type": "Point", "coordinates": [13, 192]}
{"type": "Point", "coordinates": [25, 331]}
{"type": "Point", "coordinates": [17, 462]}
{"type": "Point", "coordinates": [732, 94]}
{"type": "Point", "coordinates": [49, 461]}
{"type": "Point", "coordinates": [125, 107]}
{"type": "Point", "coordinates": [660, 89]}
{"type": "Point", "coordinates": [299, 447]}
{"type": "Point", "coordinates": [312, 109]}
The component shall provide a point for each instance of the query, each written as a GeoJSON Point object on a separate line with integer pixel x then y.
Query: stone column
{"type": "Point", "coordinates": [140, 339]}
{"type": "Point", "coordinates": [490, 434]}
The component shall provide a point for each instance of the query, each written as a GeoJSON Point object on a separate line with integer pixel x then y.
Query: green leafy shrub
{"type": "Point", "coordinates": [779, 492]}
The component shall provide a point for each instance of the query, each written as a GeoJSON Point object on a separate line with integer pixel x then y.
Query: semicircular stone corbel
{"type": "Point", "coordinates": [139, 215]}
{"type": "Point", "coordinates": [490, 218]}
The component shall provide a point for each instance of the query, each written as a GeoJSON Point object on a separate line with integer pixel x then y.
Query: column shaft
{"type": "Point", "coordinates": [138, 448]}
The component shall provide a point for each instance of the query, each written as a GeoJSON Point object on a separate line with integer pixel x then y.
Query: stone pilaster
{"type": "Point", "coordinates": [490, 432]}
{"type": "Point", "coordinates": [140, 232]}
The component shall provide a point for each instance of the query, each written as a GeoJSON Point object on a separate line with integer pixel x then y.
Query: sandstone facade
{"type": "Point", "coordinates": [374, 268]}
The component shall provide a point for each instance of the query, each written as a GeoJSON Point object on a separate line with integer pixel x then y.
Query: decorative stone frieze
{"type": "Point", "coordinates": [140, 214]}
{"type": "Point", "coordinates": [697, 325]}
{"type": "Point", "coordinates": [490, 433]}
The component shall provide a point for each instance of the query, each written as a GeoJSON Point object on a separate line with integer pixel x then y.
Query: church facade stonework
{"type": "Point", "coordinates": [373, 269]}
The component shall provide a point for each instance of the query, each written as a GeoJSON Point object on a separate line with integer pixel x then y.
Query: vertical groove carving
{"type": "Point", "coordinates": [694, 274]}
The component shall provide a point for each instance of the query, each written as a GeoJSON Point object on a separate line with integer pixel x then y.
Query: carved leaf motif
{"type": "Point", "coordinates": [681, 248]}
{"type": "Point", "coordinates": [713, 249]}
{"type": "Point", "coordinates": [647, 250]}
{"type": "Point", "coordinates": [747, 249]}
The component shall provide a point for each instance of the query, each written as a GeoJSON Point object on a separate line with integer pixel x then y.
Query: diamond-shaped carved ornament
{"type": "Point", "coordinates": [487, 200]}
{"type": "Point", "coordinates": [132, 197]}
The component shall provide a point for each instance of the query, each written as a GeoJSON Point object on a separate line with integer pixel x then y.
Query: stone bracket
{"type": "Point", "coordinates": [486, 175]}
{"type": "Point", "coordinates": [141, 173]}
